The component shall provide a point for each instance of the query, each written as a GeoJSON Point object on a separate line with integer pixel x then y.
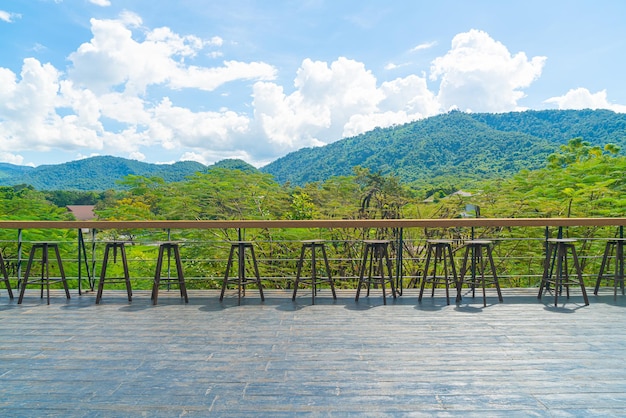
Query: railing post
{"type": "Point", "coordinates": [399, 273]}
{"type": "Point", "coordinates": [19, 257]}
{"type": "Point", "coordinates": [82, 257]}
{"type": "Point", "coordinates": [80, 270]}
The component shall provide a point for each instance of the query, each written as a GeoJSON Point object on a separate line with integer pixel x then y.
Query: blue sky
{"type": "Point", "coordinates": [163, 81]}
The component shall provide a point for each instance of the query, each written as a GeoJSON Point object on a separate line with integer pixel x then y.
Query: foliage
{"type": "Point", "coordinates": [95, 174]}
{"type": "Point", "coordinates": [457, 148]}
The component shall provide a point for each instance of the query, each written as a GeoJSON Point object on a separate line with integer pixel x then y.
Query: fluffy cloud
{"type": "Point", "coordinates": [337, 100]}
{"type": "Point", "coordinates": [582, 98]}
{"type": "Point", "coordinates": [479, 74]}
{"type": "Point", "coordinates": [8, 17]}
{"type": "Point", "coordinates": [102, 3]}
{"type": "Point", "coordinates": [124, 93]}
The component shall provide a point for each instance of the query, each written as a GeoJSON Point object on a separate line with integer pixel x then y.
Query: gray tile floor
{"type": "Point", "coordinates": [523, 357]}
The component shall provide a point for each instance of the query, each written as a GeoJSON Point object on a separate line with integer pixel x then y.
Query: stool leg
{"type": "Point", "coordinates": [241, 272]}
{"type": "Point", "coordinates": [559, 273]}
{"type": "Point", "coordinates": [313, 275]}
{"type": "Point", "coordinates": [462, 276]}
{"type": "Point", "coordinates": [62, 272]}
{"type": "Point", "coordinates": [5, 277]}
{"type": "Point", "coordinates": [330, 279]}
{"type": "Point", "coordinates": [26, 275]}
{"type": "Point", "coordinates": [453, 268]}
{"type": "Point", "coordinates": [390, 272]}
{"type": "Point", "coordinates": [362, 272]}
{"type": "Point", "coordinates": [605, 257]}
{"type": "Point", "coordinates": [580, 275]}
{"type": "Point", "coordinates": [298, 272]}
{"type": "Point", "coordinates": [256, 273]}
{"type": "Point", "coordinates": [480, 262]}
{"type": "Point", "coordinates": [179, 271]}
{"type": "Point", "coordinates": [228, 267]}
{"type": "Point", "coordinates": [445, 273]}
{"type": "Point", "coordinates": [129, 290]}
{"type": "Point", "coordinates": [380, 272]}
{"type": "Point", "coordinates": [45, 271]}
{"type": "Point", "coordinates": [547, 270]}
{"type": "Point", "coordinates": [157, 276]}
{"type": "Point", "coordinates": [105, 261]}
{"type": "Point", "coordinates": [425, 276]}
{"type": "Point", "coordinates": [493, 271]}
{"type": "Point", "coordinates": [619, 266]}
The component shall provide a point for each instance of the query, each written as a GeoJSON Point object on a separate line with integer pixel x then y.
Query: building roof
{"type": "Point", "coordinates": [82, 212]}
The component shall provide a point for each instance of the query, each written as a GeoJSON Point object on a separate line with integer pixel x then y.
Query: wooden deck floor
{"type": "Point", "coordinates": [523, 357]}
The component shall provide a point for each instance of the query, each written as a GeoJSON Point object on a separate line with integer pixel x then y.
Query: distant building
{"type": "Point", "coordinates": [82, 212]}
{"type": "Point", "coordinates": [431, 198]}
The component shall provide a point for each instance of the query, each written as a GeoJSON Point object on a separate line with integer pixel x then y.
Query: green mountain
{"type": "Point", "coordinates": [96, 173]}
{"type": "Point", "coordinates": [234, 164]}
{"type": "Point", "coordinates": [454, 145]}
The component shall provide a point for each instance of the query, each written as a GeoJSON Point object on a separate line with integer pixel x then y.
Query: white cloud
{"type": "Point", "coordinates": [582, 98]}
{"type": "Point", "coordinates": [124, 94]}
{"type": "Point", "coordinates": [102, 3]}
{"type": "Point", "coordinates": [113, 59]}
{"type": "Point", "coordinates": [175, 126]}
{"type": "Point", "coordinates": [479, 74]}
{"type": "Point", "coordinates": [425, 45]}
{"type": "Point", "coordinates": [8, 16]}
{"type": "Point", "coordinates": [7, 157]}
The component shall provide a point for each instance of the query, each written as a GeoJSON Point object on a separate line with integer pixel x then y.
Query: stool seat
{"type": "Point", "coordinates": [440, 251]}
{"type": "Point", "coordinates": [169, 248]}
{"type": "Point", "coordinates": [557, 257]}
{"type": "Point", "coordinates": [614, 249]}
{"type": "Point", "coordinates": [475, 254]}
{"type": "Point", "coordinates": [241, 247]}
{"type": "Point", "coordinates": [44, 279]}
{"type": "Point", "coordinates": [114, 247]}
{"type": "Point", "coordinates": [375, 260]}
{"type": "Point", "coordinates": [313, 246]}
{"type": "Point", "coordinates": [5, 277]}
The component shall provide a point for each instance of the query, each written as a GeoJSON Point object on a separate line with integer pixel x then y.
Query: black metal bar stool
{"type": "Point", "coordinates": [475, 253]}
{"type": "Point", "coordinates": [5, 277]}
{"type": "Point", "coordinates": [242, 281]}
{"type": "Point", "coordinates": [440, 251]}
{"type": "Point", "coordinates": [44, 279]}
{"type": "Point", "coordinates": [169, 248]}
{"type": "Point", "coordinates": [114, 247]}
{"type": "Point", "coordinates": [556, 256]}
{"type": "Point", "coordinates": [614, 249]}
{"type": "Point", "coordinates": [313, 245]}
{"type": "Point", "coordinates": [375, 260]}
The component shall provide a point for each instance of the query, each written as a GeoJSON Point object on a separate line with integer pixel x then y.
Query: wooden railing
{"type": "Point", "coordinates": [550, 225]}
{"type": "Point", "coordinates": [320, 223]}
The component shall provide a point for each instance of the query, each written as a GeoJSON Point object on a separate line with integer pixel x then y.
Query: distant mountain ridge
{"type": "Point", "coordinates": [456, 144]}
{"type": "Point", "coordinates": [95, 173]}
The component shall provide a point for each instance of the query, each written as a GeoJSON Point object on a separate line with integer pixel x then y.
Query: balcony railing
{"type": "Point", "coordinates": [518, 245]}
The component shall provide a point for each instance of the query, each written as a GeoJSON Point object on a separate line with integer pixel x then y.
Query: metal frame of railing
{"type": "Point", "coordinates": [406, 262]}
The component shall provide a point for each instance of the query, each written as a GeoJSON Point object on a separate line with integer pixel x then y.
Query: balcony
{"type": "Point", "coordinates": [282, 358]}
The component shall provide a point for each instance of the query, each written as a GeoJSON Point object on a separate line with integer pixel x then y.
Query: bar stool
{"type": "Point", "coordinates": [240, 247]}
{"type": "Point", "coordinates": [45, 278]}
{"type": "Point", "coordinates": [614, 249]}
{"type": "Point", "coordinates": [169, 248]}
{"type": "Point", "coordinates": [5, 277]}
{"type": "Point", "coordinates": [557, 251]}
{"type": "Point", "coordinates": [375, 259]}
{"type": "Point", "coordinates": [441, 253]}
{"type": "Point", "coordinates": [313, 245]}
{"type": "Point", "coordinates": [114, 247]}
{"type": "Point", "coordinates": [477, 248]}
